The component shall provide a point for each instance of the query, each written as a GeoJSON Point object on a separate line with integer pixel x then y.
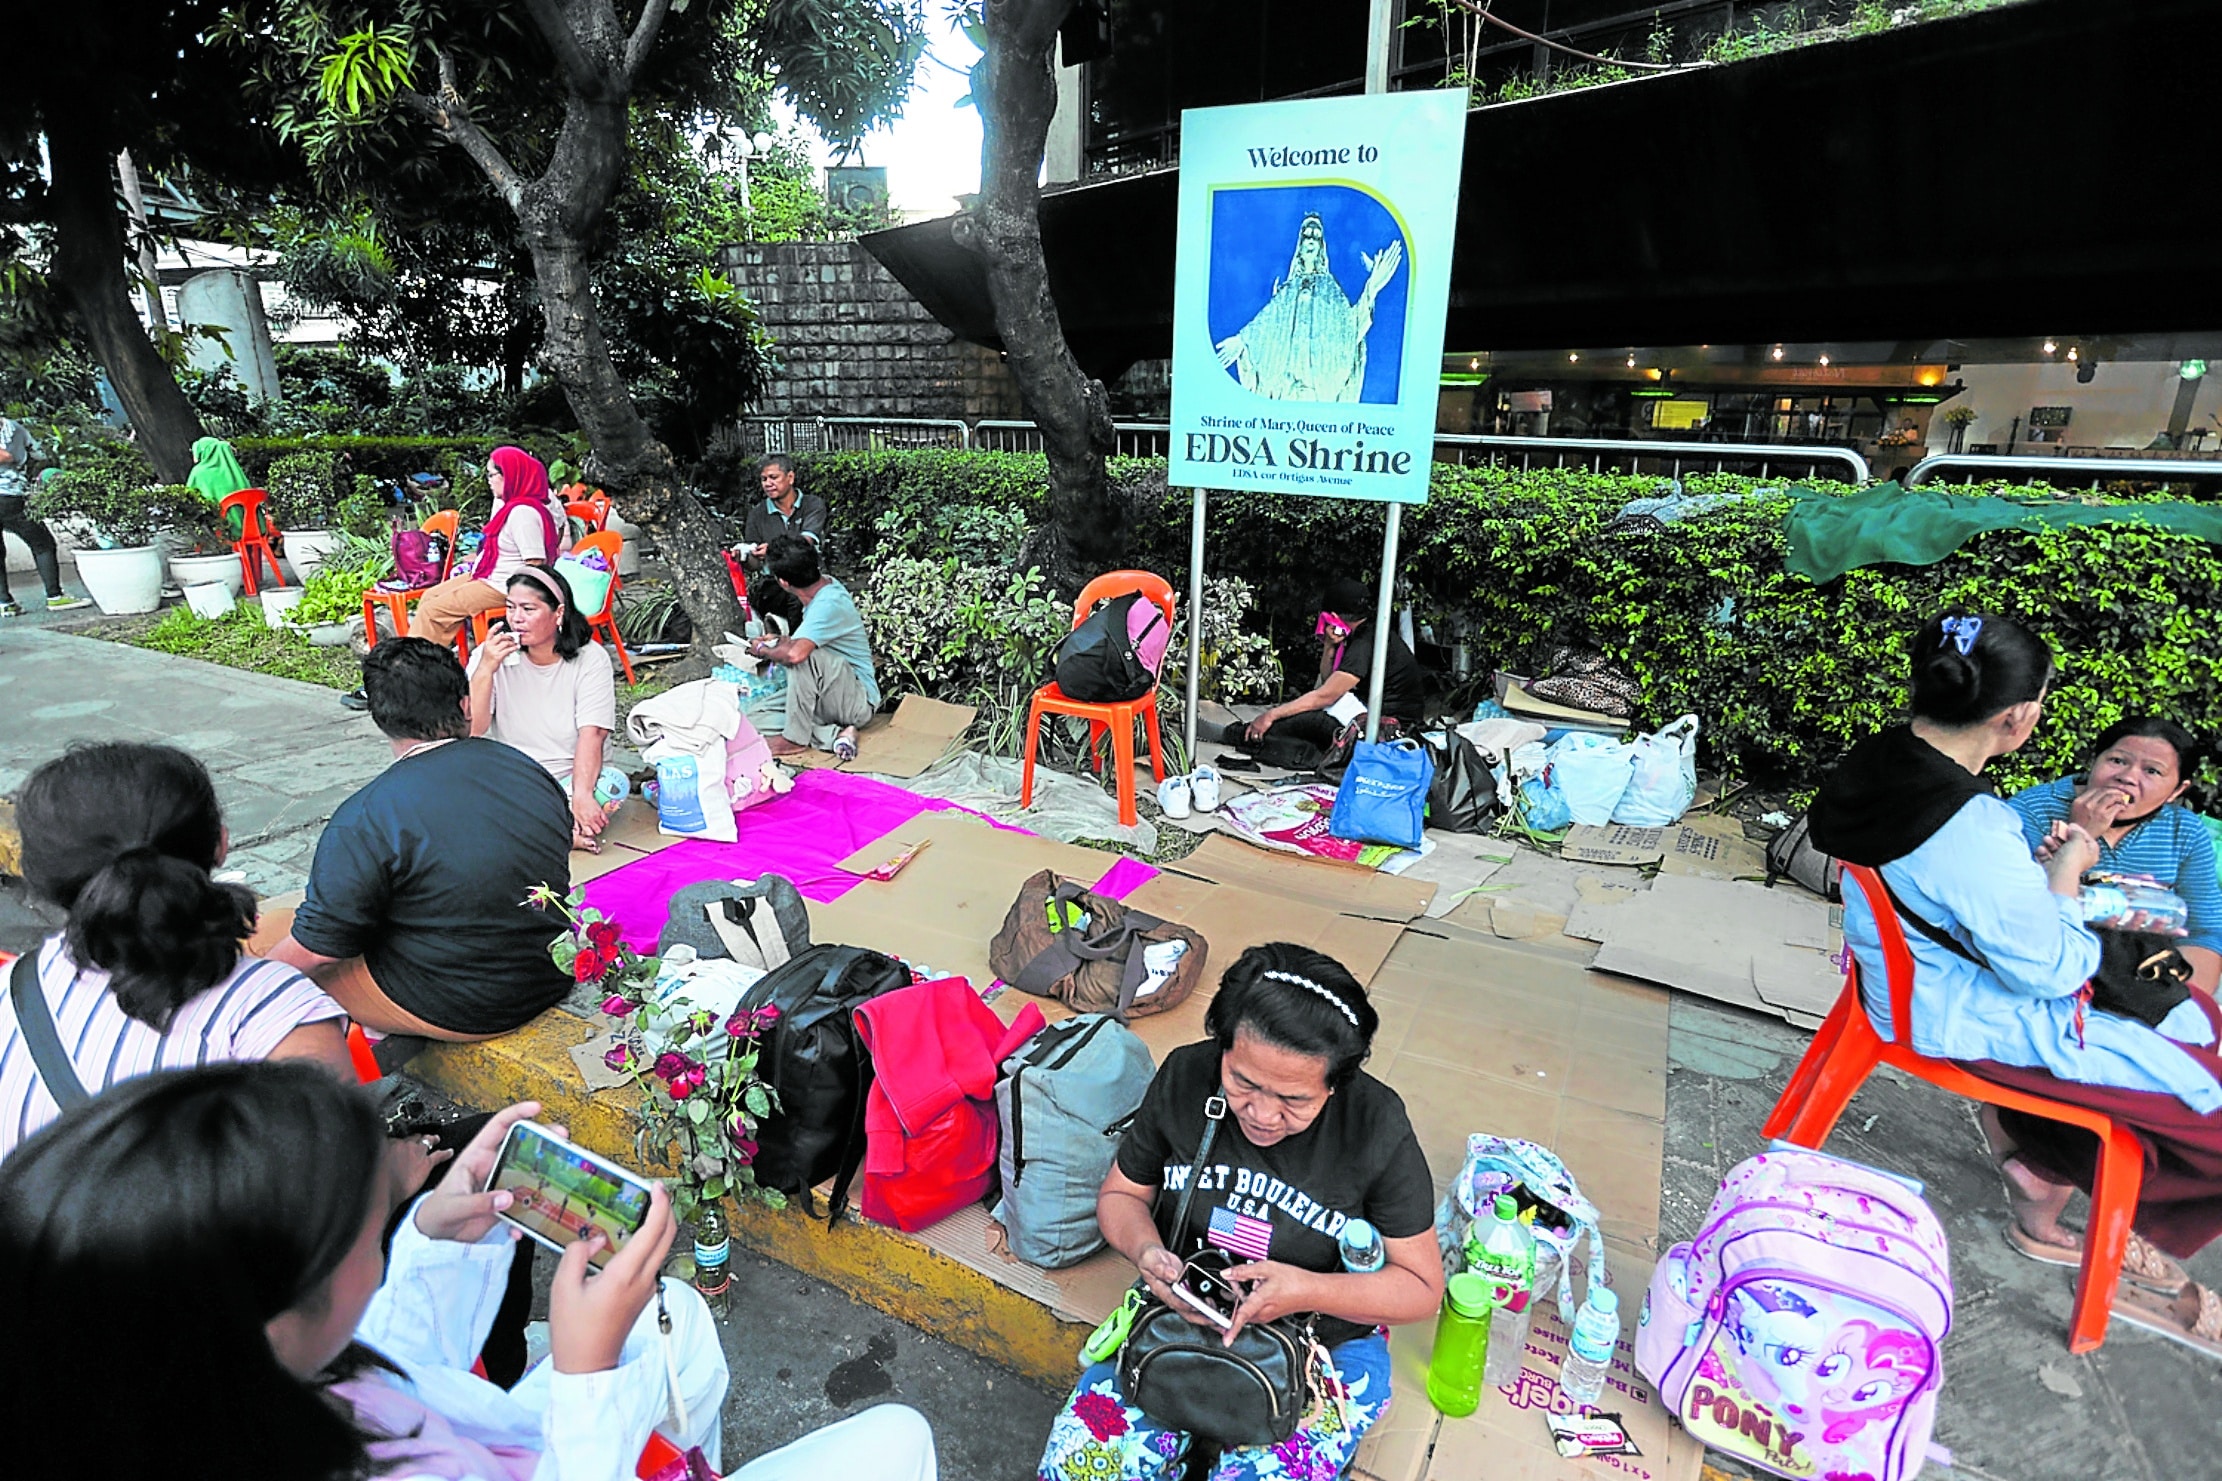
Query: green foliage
{"type": "Point", "coordinates": [1784, 674]}
{"type": "Point", "coordinates": [109, 485]}
{"type": "Point", "coordinates": [365, 69]}
{"type": "Point", "coordinates": [242, 640]}
{"type": "Point", "coordinates": [304, 489]}
{"type": "Point", "coordinates": [335, 593]}
{"type": "Point", "coordinates": [976, 635]}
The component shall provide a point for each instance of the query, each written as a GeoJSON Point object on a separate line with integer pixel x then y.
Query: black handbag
{"type": "Point", "coordinates": [1185, 1377]}
{"type": "Point", "coordinates": [2141, 975]}
{"type": "Point", "coordinates": [1463, 796]}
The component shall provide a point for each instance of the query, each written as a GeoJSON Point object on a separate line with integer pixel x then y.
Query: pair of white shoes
{"type": "Point", "coordinates": [1196, 792]}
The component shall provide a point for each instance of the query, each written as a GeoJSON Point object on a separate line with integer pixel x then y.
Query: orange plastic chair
{"type": "Point", "coordinates": [253, 547]}
{"type": "Point", "coordinates": [603, 623]}
{"type": "Point", "coordinates": [1846, 1051]}
{"type": "Point", "coordinates": [585, 514]}
{"type": "Point", "coordinates": [1118, 718]}
{"type": "Point", "coordinates": [365, 1061]}
{"type": "Point", "coordinates": [397, 603]}
{"type": "Point", "coordinates": [589, 504]}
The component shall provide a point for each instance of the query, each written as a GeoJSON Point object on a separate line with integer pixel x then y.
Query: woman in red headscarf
{"type": "Point", "coordinates": [522, 532]}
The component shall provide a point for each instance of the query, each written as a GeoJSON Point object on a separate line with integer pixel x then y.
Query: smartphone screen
{"type": "Point", "coordinates": [564, 1193]}
{"type": "Point", "coordinates": [1218, 1317]}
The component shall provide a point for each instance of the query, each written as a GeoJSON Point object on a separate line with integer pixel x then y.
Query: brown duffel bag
{"type": "Point", "coordinates": [1096, 968]}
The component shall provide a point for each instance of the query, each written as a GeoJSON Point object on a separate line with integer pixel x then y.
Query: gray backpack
{"type": "Point", "coordinates": [1063, 1100]}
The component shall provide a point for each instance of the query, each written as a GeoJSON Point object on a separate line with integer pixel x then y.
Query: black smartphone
{"type": "Point", "coordinates": [563, 1193]}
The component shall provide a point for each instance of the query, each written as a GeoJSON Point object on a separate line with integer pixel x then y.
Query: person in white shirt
{"type": "Point", "coordinates": [542, 684]}
{"type": "Point", "coordinates": [224, 1227]}
{"type": "Point", "coordinates": [149, 973]}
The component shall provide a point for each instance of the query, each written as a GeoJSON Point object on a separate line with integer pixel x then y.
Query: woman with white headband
{"type": "Point", "coordinates": [1306, 1143]}
{"type": "Point", "coordinates": [542, 684]}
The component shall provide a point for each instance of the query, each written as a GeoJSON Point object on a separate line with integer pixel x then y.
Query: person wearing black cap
{"type": "Point", "coordinates": [1299, 732]}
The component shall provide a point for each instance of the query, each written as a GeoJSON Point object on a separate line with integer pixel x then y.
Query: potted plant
{"type": "Point", "coordinates": [103, 497]}
{"type": "Point", "coordinates": [304, 490]}
{"type": "Point", "coordinates": [199, 544]}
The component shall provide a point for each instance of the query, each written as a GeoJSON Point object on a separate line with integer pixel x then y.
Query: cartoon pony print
{"type": "Point", "coordinates": [1867, 1374]}
{"type": "Point", "coordinates": [1778, 1335]}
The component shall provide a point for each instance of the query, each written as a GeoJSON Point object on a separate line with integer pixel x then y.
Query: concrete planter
{"type": "Point", "coordinates": [208, 570]}
{"type": "Point", "coordinates": [126, 580]}
{"type": "Point", "coordinates": [278, 603]}
{"type": "Point", "coordinates": [306, 551]}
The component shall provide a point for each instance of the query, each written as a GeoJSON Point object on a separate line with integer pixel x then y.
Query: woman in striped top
{"type": "Point", "coordinates": [148, 973]}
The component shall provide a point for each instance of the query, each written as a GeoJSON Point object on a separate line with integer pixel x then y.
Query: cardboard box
{"type": "Point", "coordinates": [1320, 883]}
{"type": "Point", "coordinates": [920, 733]}
{"type": "Point", "coordinates": [1613, 843]}
{"type": "Point", "coordinates": [1771, 950]}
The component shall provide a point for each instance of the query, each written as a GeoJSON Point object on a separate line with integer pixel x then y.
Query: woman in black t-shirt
{"type": "Point", "coordinates": [1298, 733]}
{"type": "Point", "coordinates": [1306, 1143]}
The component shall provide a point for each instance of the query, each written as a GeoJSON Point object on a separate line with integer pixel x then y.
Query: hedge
{"type": "Point", "coordinates": [1782, 674]}
{"type": "Point", "coordinates": [390, 458]}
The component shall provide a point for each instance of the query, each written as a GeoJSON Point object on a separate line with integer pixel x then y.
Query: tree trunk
{"type": "Point", "coordinates": [88, 263]}
{"type": "Point", "coordinates": [1015, 85]}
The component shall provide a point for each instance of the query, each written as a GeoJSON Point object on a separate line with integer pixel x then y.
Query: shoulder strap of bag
{"type": "Point", "coordinates": [1931, 930]}
{"type": "Point", "coordinates": [1215, 1110]}
{"type": "Point", "coordinates": [35, 1017]}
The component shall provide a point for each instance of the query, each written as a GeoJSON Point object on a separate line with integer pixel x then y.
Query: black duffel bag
{"type": "Point", "coordinates": [1463, 796]}
{"type": "Point", "coordinates": [1185, 1377]}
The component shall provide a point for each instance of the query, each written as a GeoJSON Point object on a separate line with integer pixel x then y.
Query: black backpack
{"type": "Point", "coordinates": [1100, 661]}
{"type": "Point", "coordinates": [818, 1065]}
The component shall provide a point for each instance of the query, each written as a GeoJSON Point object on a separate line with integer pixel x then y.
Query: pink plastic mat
{"type": "Point", "coordinates": [804, 835]}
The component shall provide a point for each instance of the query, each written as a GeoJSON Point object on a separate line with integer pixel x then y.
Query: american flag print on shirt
{"type": "Point", "coordinates": [1240, 1234]}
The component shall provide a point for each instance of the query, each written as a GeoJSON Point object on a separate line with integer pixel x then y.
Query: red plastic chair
{"type": "Point", "coordinates": [604, 622]}
{"type": "Point", "coordinates": [1118, 718]}
{"type": "Point", "coordinates": [588, 504]}
{"type": "Point", "coordinates": [254, 546]}
{"type": "Point", "coordinates": [365, 1059]}
{"type": "Point", "coordinates": [1846, 1051]}
{"type": "Point", "coordinates": [397, 603]}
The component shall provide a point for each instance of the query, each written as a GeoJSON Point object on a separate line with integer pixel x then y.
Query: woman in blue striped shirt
{"type": "Point", "coordinates": [2129, 802]}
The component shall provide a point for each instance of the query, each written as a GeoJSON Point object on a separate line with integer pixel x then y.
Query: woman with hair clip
{"type": "Point", "coordinates": [542, 684]}
{"type": "Point", "coordinates": [148, 973]}
{"type": "Point", "coordinates": [223, 1226]}
{"type": "Point", "coordinates": [1307, 1142]}
{"type": "Point", "coordinates": [2001, 956]}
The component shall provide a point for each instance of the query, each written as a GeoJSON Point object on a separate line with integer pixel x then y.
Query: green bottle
{"type": "Point", "coordinates": [1461, 1346]}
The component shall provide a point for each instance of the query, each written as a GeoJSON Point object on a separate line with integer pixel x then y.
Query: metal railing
{"type": "Point", "coordinates": [1133, 439]}
{"type": "Point", "coordinates": [1668, 457]}
{"type": "Point", "coordinates": [2098, 470]}
{"type": "Point", "coordinates": [884, 434]}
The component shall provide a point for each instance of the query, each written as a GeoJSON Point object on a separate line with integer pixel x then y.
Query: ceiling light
{"type": "Point", "coordinates": [1778, 352]}
{"type": "Point", "coordinates": [2050, 347]}
{"type": "Point", "coordinates": [1474, 364]}
{"type": "Point", "coordinates": [2074, 353]}
{"type": "Point", "coordinates": [1631, 362]}
{"type": "Point", "coordinates": [1824, 359]}
{"type": "Point", "coordinates": [2191, 370]}
{"type": "Point", "coordinates": [1571, 357]}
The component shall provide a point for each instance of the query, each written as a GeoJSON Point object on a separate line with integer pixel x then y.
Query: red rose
{"type": "Point", "coordinates": [603, 936]}
{"type": "Point", "coordinates": [680, 1087]}
{"type": "Point", "coordinates": [589, 965]}
{"type": "Point", "coordinates": [671, 1065]}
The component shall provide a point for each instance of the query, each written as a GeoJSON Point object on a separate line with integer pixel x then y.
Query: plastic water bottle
{"type": "Point", "coordinates": [1589, 1347]}
{"type": "Point", "coordinates": [1461, 1345]}
{"type": "Point", "coordinates": [1361, 1247]}
{"type": "Point", "coordinates": [713, 1259]}
{"type": "Point", "coordinates": [1502, 1252]}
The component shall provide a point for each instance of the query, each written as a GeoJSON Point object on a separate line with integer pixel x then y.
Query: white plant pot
{"type": "Point", "coordinates": [306, 551]}
{"type": "Point", "coordinates": [628, 558]}
{"type": "Point", "coordinates": [277, 602]}
{"type": "Point", "coordinates": [328, 635]}
{"type": "Point", "coordinates": [211, 599]}
{"type": "Point", "coordinates": [205, 570]}
{"type": "Point", "coordinates": [123, 581]}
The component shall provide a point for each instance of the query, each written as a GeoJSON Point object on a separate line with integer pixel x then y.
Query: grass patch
{"type": "Point", "coordinates": [243, 641]}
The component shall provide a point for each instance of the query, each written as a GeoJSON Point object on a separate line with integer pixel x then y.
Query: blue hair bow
{"type": "Point", "coordinates": [1961, 633]}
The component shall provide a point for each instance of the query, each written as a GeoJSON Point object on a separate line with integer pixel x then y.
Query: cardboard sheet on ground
{"type": "Point", "coordinates": [1327, 885]}
{"type": "Point", "coordinates": [1740, 943]}
{"type": "Point", "coordinates": [1458, 865]}
{"type": "Point", "coordinates": [918, 734]}
{"type": "Point", "coordinates": [1706, 846]}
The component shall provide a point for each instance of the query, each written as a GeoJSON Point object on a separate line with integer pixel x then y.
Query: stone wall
{"type": "Point", "coordinates": [853, 342]}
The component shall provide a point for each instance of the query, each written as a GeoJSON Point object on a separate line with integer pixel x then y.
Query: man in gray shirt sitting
{"type": "Point", "coordinates": [785, 510]}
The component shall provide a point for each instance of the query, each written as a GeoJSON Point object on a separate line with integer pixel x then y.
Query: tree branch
{"type": "Point", "coordinates": [643, 37]}
{"type": "Point", "coordinates": [579, 71]}
{"type": "Point", "coordinates": [452, 119]}
{"type": "Point", "coordinates": [1030, 25]}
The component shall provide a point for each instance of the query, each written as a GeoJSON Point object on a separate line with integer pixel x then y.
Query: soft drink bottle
{"type": "Point", "coordinates": [1502, 1252]}
{"type": "Point", "coordinates": [1589, 1347]}
{"type": "Point", "coordinates": [1461, 1342]}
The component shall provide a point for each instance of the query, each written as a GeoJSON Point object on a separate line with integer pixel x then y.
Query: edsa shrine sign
{"type": "Point", "coordinates": [1313, 277]}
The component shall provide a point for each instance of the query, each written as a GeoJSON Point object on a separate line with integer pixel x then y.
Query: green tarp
{"type": "Point", "coordinates": [1887, 524]}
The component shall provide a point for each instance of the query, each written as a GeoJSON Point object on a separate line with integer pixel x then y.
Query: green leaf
{"type": "Point", "coordinates": [698, 1110]}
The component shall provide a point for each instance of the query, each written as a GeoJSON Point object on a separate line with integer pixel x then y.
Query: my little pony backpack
{"type": "Point", "coordinates": [1537, 1180]}
{"type": "Point", "coordinates": [1803, 1329]}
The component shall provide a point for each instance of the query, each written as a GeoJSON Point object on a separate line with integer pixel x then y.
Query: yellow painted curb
{"type": "Point", "coordinates": [11, 839]}
{"type": "Point", "coordinates": [881, 1267]}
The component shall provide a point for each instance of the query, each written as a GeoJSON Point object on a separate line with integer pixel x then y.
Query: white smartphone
{"type": "Point", "coordinates": [562, 1193]}
{"type": "Point", "coordinates": [1218, 1317]}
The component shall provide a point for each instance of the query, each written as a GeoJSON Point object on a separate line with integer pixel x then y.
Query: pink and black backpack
{"type": "Point", "coordinates": [1803, 1329]}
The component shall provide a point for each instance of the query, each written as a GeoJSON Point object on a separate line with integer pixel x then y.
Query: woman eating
{"type": "Point", "coordinates": [2130, 802]}
{"type": "Point", "coordinates": [2001, 955]}
{"type": "Point", "coordinates": [225, 1225]}
{"type": "Point", "coordinates": [522, 532]}
{"type": "Point", "coordinates": [1289, 1029]}
{"type": "Point", "coordinates": [148, 973]}
{"type": "Point", "coordinates": [542, 684]}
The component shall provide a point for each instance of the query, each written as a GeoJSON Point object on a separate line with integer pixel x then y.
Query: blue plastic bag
{"type": "Point", "coordinates": [1383, 797]}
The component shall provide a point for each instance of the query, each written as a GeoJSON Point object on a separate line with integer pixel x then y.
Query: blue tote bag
{"type": "Point", "coordinates": [1383, 797]}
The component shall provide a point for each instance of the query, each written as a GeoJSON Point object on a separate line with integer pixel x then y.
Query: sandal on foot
{"type": "Point", "coordinates": [2143, 1267]}
{"type": "Point", "coordinates": [844, 744]}
{"type": "Point", "coordinates": [2152, 1313]}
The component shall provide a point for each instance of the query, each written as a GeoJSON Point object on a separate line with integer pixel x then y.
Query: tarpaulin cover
{"type": "Point", "coordinates": [1887, 524]}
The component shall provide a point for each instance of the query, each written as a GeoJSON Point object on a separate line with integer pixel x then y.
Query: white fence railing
{"type": "Point", "coordinates": [2095, 471]}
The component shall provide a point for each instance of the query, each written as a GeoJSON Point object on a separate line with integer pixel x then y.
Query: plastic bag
{"type": "Point", "coordinates": [1542, 807]}
{"type": "Point", "coordinates": [1591, 773]}
{"type": "Point", "coordinates": [1662, 776]}
{"type": "Point", "coordinates": [1383, 796]}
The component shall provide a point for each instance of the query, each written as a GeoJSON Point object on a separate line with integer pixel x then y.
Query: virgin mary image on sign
{"type": "Point", "coordinates": [1310, 337]}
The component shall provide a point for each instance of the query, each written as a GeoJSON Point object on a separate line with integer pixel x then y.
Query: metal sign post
{"type": "Point", "coordinates": [1196, 620]}
{"type": "Point", "coordinates": [1381, 609]}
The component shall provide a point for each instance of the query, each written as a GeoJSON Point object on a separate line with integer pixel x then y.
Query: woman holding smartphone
{"type": "Point", "coordinates": [543, 685]}
{"type": "Point", "coordinates": [224, 1225]}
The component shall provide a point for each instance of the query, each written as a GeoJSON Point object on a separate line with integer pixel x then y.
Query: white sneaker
{"type": "Point", "coordinates": [1173, 796]}
{"type": "Point", "coordinates": [1203, 789]}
